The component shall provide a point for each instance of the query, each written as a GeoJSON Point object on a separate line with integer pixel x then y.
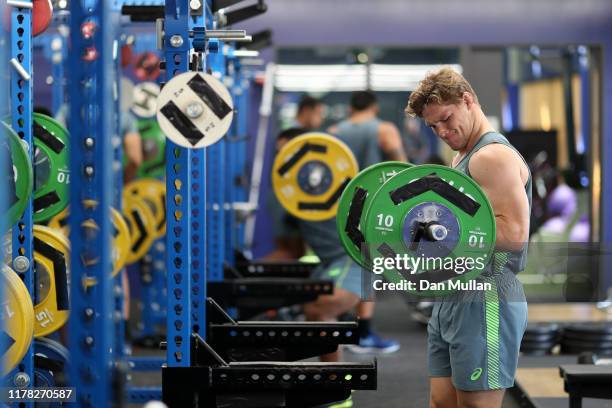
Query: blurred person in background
{"type": "Point", "coordinates": [415, 141]}
{"type": "Point", "coordinates": [309, 114]}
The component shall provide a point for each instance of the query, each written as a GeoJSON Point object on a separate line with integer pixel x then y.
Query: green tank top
{"type": "Point", "coordinates": [512, 261]}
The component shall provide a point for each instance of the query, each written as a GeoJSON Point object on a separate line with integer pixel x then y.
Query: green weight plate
{"type": "Point", "coordinates": [436, 225]}
{"type": "Point", "coordinates": [19, 175]}
{"type": "Point", "coordinates": [51, 173]}
{"type": "Point", "coordinates": [354, 203]}
{"type": "Point", "coordinates": [153, 150]}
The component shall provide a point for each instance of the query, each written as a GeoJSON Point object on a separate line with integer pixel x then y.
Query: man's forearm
{"type": "Point", "coordinates": [509, 235]}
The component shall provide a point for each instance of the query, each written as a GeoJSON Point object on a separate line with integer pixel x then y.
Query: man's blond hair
{"type": "Point", "coordinates": [443, 87]}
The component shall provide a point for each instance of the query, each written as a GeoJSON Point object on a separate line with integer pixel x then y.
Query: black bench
{"type": "Point", "coordinates": [586, 381]}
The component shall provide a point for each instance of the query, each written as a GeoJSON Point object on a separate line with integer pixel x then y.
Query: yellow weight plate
{"type": "Point", "coordinates": [17, 318]}
{"type": "Point", "coordinates": [153, 192]}
{"type": "Point", "coordinates": [120, 231]}
{"type": "Point", "coordinates": [310, 173]}
{"type": "Point", "coordinates": [141, 223]}
{"type": "Point", "coordinates": [59, 222]}
{"type": "Point", "coordinates": [122, 241]}
{"type": "Point", "coordinates": [51, 260]}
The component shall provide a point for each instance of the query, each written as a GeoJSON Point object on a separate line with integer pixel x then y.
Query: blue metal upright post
{"type": "Point", "coordinates": [21, 121]}
{"type": "Point", "coordinates": [4, 105]}
{"type": "Point", "coordinates": [4, 111]}
{"type": "Point", "coordinates": [91, 126]}
{"type": "Point", "coordinates": [215, 190]}
{"type": "Point", "coordinates": [156, 289]}
{"type": "Point", "coordinates": [510, 108]}
{"type": "Point", "coordinates": [118, 112]}
{"type": "Point", "coordinates": [235, 159]}
{"type": "Point", "coordinates": [185, 203]}
{"type": "Point", "coordinates": [585, 98]}
{"type": "Point", "coordinates": [242, 89]}
{"type": "Point", "coordinates": [231, 151]}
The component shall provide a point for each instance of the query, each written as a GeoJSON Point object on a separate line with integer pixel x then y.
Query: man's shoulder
{"type": "Point", "coordinates": [386, 127]}
{"type": "Point", "coordinates": [494, 158]}
{"type": "Point", "coordinates": [492, 149]}
{"type": "Point", "coordinates": [494, 152]}
{"type": "Point", "coordinates": [496, 143]}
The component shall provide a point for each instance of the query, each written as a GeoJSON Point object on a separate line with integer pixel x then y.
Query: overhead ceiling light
{"type": "Point", "coordinates": [402, 77]}
{"type": "Point", "coordinates": [320, 78]}
{"type": "Point", "coordinates": [346, 78]}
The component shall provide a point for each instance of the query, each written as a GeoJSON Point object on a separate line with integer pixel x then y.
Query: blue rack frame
{"type": "Point", "coordinates": [4, 96]}
{"type": "Point", "coordinates": [234, 163]}
{"type": "Point", "coordinates": [585, 96]}
{"type": "Point", "coordinates": [241, 83]}
{"type": "Point", "coordinates": [93, 116]}
{"type": "Point", "coordinates": [118, 288]}
{"type": "Point", "coordinates": [21, 121]}
{"type": "Point", "coordinates": [90, 125]}
{"type": "Point", "coordinates": [235, 145]}
{"type": "Point", "coordinates": [153, 293]}
{"type": "Point", "coordinates": [4, 111]}
{"type": "Point", "coordinates": [185, 203]}
{"type": "Point", "coordinates": [229, 163]}
{"type": "Point", "coordinates": [510, 108]}
{"type": "Point", "coordinates": [231, 152]}
{"type": "Point", "coordinates": [215, 202]}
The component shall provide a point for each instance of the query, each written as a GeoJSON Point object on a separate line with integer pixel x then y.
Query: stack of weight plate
{"type": "Point", "coordinates": [540, 338]}
{"type": "Point", "coordinates": [593, 337]}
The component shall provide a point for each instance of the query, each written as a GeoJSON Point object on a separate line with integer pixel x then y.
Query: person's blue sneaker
{"type": "Point", "coordinates": [373, 343]}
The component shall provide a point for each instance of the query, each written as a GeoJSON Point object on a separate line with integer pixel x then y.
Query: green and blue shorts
{"type": "Point", "coordinates": [475, 336]}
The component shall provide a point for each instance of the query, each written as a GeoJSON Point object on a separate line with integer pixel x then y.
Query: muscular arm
{"type": "Point", "coordinates": [390, 142]}
{"type": "Point", "coordinates": [497, 169]}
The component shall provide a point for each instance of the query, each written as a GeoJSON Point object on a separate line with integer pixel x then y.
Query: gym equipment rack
{"type": "Point", "coordinates": [21, 82]}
